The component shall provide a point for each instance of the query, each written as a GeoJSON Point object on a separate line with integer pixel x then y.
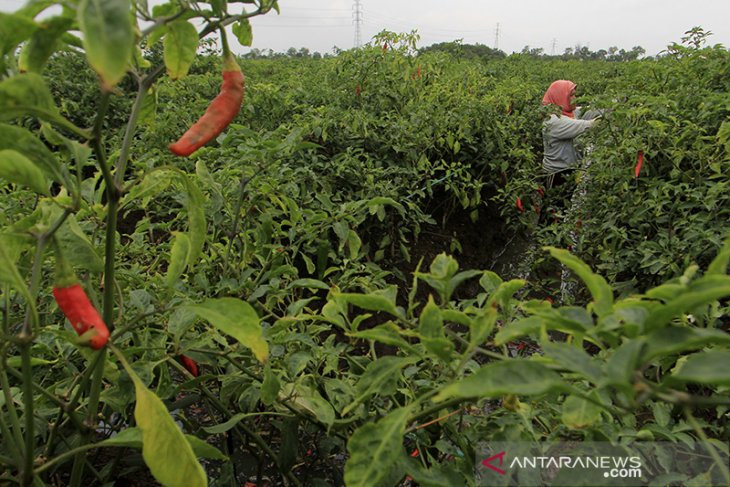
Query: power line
{"type": "Point", "coordinates": [357, 19]}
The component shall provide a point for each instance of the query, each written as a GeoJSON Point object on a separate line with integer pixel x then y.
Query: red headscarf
{"type": "Point", "coordinates": [559, 94]}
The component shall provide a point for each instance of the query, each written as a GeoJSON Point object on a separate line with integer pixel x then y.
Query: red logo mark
{"type": "Point", "coordinates": [488, 462]}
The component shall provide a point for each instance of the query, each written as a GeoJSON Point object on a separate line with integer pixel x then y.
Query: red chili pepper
{"type": "Point", "coordinates": [639, 163]}
{"type": "Point", "coordinates": [415, 454]}
{"type": "Point", "coordinates": [190, 365]}
{"type": "Point", "coordinates": [541, 192]}
{"type": "Point", "coordinates": [82, 315]}
{"type": "Point", "coordinates": [519, 205]}
{"type": "Point", "coordinates": [358, 90]}
{"type": "Point", "coordinates": [222, 110]}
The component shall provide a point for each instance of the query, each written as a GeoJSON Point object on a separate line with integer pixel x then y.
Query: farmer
{"type": "Point", "coordinates": [560, 130]}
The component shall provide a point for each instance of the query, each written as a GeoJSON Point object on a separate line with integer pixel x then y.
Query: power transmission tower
{"type": "Point", "coordinates": [357, 20]}
{"type": "Point", "coordinates": [552, 49]}
{"type": "Point", "coordinates": [496, 38]}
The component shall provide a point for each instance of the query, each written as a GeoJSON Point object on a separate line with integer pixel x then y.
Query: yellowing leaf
{"type": "Point", "coordinates": [16, 168]}
{"type": "Point", "coordinates": [180, 45]}
{"type": "Point", "coordinates": [165, 449]}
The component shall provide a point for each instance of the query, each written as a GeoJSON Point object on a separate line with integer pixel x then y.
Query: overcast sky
{"type": "Point", "coordinates": [320, 25]}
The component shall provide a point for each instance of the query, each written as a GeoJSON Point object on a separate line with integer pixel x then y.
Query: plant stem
{"type": "Point", "coordinates": [721, 464]}
{"type": "Point", "coordinates": [13, 438]}
{"type": "Point", "coordinates": [113, 195]}
{"type": "Point", "coordinates": [63, 456]}
{"type": "Point", "coordinates": [252, 434]}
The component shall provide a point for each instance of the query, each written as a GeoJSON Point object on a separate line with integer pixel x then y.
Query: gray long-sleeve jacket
{"type": "Point", "coordinates": [557, 135]}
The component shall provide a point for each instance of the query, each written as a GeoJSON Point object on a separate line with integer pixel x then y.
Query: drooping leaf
{"type": "Point", "coordinates": [197, 226]}
{"type": "Point", "coordinates": [270, 387]}
{"type": "Point", "coordinates": [178, 258]}
{"type": "Point", "coordinates": [18, 169]}
{"type": "Point", "coordinates": [108, 37]}
{"type": "Point", "coordinates": [374, 449]}
{"type": "Point", "coordinates": [180, 46]}
{"type": "Point", "coordinates": [165, 450]}
{"type": "Point", "coordinates": [235, 318]}
{"type": "Point", "coordinates": [243, 32]}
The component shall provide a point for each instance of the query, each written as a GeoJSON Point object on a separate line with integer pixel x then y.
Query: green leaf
{"type": "Point", "coordinates": [270, 387]}
{"type": "Point", "coordinates": [26, 94]}
{"type": "Point", "coordinates": [703, 291]}
{"type": "Point", "coordinates": [17, 361]}
{"type": "Point", "coordinates": [676, 339]}
{"type": "Point", "coordinates": [719, 264]}
{"type": "Point", "coordinates": [180, 46]}
{"type": "Point", "coordinates": [25, 142]}
{"type": "Point", "coordinates": [482, 326]}
{"type": "Point", "coordinates": [178, 258]}
{"type": "Point", "coordinates": [18, 169]}
{"type": "Point", "coordinates": [597, 285]}
{"type": "Point", "coordinates": [165, 450]}
{"type": "Point", "coordinates": [518, 329]}
{"type": "Point", "coordinates": [306, 397]}
{"type": "Point", "coordinates": [243, 32]}
{"type": "Point", "coordinates": [374, 449]}
{"type": "Point", "coordinates": [197, 226]}
{"type": "Point", "coordinates": [380, 377]}
{"type": "Point", "coordinates": [310, 284]}
{"type": "Point", "coordinates": [430, 322]}
{"type": "Point", "coordinates": [574, 359]}
{"type": "Point", "coordinates": [43, 43]}
{"type": "Point", "coordinates": [516, 376]}
{"type": "Point", "coordinates": [9, 254]}
{"type": "Point", "coordinates": [81, 253]}
{"type": "Point", "coordinates": [705, 368]}
{"type": "Point", "coordinates": [14, 29]}
{"type": "Point", "coordinates": [388, 333]}
{"type": "Point", "coordinates": [579, 413]}
{"type": "Point", "coordinates": [624, 362]}
{"type": "Point", "coordinates": [108, 37]}
{"type": "Point", "coordinates": [231, 423]}
{"type": "Point", "coordinates": [370, 302]}
{"type": "Point", "coordinates": [235, 318]}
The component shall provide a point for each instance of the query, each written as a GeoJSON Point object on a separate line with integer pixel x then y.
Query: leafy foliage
{"type": "Point", "coordinates": [274, 257]}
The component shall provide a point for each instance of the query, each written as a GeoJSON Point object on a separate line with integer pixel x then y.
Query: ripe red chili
{"type": "Point", "coordinates": [222, 110]}
{"type": "Point", "coordinates": [190, 365]}
{"type": "Point", "coordinates": [82, 315]}
{"type": "Point", "coordinates": [519, 205]}
{"type": "Point", "coordinates": [639, 163]}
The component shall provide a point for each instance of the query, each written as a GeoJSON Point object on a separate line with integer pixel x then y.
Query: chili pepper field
{"type": "Point", "coordinates": [350, 269]}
